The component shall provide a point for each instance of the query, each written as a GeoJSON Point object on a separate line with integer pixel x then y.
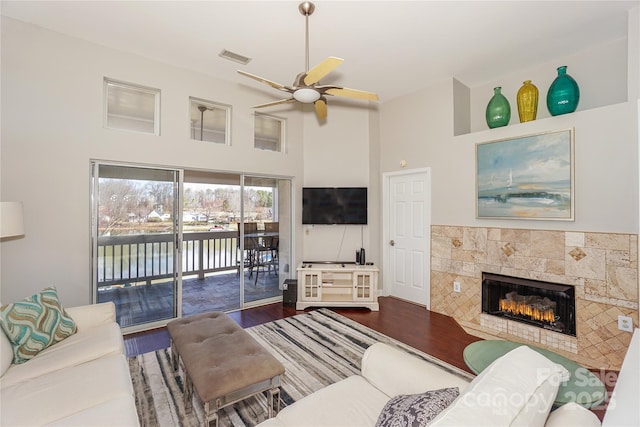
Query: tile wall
{"type": "Point", "coordinates": [603, 267]}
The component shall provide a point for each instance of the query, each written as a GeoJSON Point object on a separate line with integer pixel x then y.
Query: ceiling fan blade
{"type": "Point", "coordinates": [271, 104]}
{"type": "Point", "coordinates": [321, 70]}
{"type": "Point", "coordinates": [262, 80]}
{"type": "Point", "coordinates": [321, 108]}
{"type": "Point", "coordinates": [352, 93]}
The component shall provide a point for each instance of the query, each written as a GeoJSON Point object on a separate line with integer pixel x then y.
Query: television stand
{"type": "Point", "coordinates": [337, 285]}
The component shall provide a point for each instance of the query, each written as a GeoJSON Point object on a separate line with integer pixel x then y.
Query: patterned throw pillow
{"type": "Point", "coordinates": [35, 323]}
{"type": "Point", "coordinates": [416, 410]}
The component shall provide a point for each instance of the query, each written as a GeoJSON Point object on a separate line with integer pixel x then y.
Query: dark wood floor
{"type": "Point", "coordinates": [430, 332]}
{"type": "Point", "coordinates": [414, 325]}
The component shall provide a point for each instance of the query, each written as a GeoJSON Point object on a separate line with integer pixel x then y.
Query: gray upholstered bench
{"type": "Point", "coordinates": [223, 363]}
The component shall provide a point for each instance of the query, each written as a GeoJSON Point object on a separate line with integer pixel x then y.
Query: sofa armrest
{"type": "Point", "coordinates": [395, 372]}
{"type": "Point", "coordinates": [271, 422]}
{"type": "Point", "coordinates": [623, 405]}
{"type": "Point", "coordinates": [90, 316]}
{"type": "Point", "coordinates": [572, 415]}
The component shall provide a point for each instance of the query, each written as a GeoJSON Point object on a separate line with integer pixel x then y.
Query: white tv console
{"type": "Point", "coordinates": [337, 285]}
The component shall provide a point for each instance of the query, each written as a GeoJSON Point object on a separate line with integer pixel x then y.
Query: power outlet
{"type": "Point", "coordinates": [625, 323]}
{"type": "Point", "coordinates": [456, 286]}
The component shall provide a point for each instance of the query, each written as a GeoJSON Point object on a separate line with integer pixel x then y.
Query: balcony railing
{"type": "Point", "coordinates": [148, 257]}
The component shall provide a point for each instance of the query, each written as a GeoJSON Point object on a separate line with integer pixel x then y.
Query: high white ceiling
{"type": "Point", "coordinates": [389, 47]}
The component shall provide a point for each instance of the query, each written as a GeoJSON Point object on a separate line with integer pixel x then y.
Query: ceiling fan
{"type": "Point", "coordinates": [305, 88]}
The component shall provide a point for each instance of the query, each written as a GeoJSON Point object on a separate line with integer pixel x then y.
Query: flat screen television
{"type": "Point", "coordinates": [336, 205]}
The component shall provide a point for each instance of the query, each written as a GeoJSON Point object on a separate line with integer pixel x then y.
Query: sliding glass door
{"type": "Point", "coordinates": [135, 242]}
{"type": "Point", "coordinates": [172, 242]}
{"type": "Point", "coordinates": [211, 210]}
{"type": "Point", "coordinates": [266, 204]}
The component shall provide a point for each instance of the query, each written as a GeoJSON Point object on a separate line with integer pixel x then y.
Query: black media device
{"type": "Point", "coordinates": [334, 205]}
{"type": "Point", "coordinates": [290, 292]}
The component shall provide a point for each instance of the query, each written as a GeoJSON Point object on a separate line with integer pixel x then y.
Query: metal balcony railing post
{"type": "Point", "coordinates": [200, 259]}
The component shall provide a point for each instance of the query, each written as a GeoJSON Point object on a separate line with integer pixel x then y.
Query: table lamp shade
{"type": "Point", "coordinates": [11, 220]}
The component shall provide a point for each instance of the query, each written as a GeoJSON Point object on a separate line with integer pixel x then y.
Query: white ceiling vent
{"type": "Point", "coordinates": [232, 56]}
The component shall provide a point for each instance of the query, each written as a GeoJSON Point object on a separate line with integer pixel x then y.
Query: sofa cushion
{"type": "Point", "coordinates": [410, 375]}
{"type": "Point", "coordinates": [35, 323]}
{"type": "Point", "coordinates": [120, 411]}
{"type": "Point", "coordinates": [65, 392]}
{"type": "Point", "coordinates": [92, 315]}
{"type": "Point", "coordinates": [350, 402]}
{"type": "Point", "coordinates": [517, 389]}
{"type": "Point", "coordinates": [80, 348]}
{"type": "Point", "coordinates": [272, 422]}
{"type": "Point", "coordinates": [573, 415]}
{"type": "Point", "coordinates": [416, 410]}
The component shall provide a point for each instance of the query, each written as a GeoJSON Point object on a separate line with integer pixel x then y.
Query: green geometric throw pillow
{"type": "Point", "coordinates": [35, 323]}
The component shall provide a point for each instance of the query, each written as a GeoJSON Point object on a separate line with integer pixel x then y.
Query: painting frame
{"type": "Point", "coordinates": [528, 177]}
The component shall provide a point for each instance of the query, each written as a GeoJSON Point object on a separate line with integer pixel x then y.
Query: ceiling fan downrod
{"type": "Point", "coordinates": [306, 8]}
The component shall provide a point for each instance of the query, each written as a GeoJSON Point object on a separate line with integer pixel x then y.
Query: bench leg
{"type": "Point", "coordinates": [188, 394]}
{"type": "Point", "coordinates": [208, 418]}
{"type": "Point", "coordinates": [274, 401]}
{"type": "Point", "coordinates": [175, 358]}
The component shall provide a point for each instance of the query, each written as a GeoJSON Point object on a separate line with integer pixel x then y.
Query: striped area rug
{"type": "Point", "coordinates": [317, 348]}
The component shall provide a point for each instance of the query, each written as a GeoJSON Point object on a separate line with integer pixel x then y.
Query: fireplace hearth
{"type": "Point", "coordinates": [543, 304]}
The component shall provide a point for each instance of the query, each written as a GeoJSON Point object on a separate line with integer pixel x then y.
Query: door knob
{"type": "Point", "coordinates": [392, 242]}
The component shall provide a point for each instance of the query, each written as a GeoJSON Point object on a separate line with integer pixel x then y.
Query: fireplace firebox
{"type": "Point", "coordinates": [546, 305]}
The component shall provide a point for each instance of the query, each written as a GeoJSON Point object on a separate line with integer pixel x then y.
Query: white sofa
{"type": "Point", "coordinates": [516, 390]}
{"type": "Point", "coordinates": [83, 380]}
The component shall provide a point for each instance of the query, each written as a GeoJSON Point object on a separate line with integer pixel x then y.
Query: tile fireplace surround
{"type": "Point", "coordinates": [603, 267]}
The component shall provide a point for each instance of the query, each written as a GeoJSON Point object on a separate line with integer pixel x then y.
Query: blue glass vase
{"type": "Point", "coordinates": [498, 110]}
{"type": "Point", "coordinates": [564, 94]}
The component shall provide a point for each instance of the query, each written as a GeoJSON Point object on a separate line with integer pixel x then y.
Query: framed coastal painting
{"type": "Point", "coordinates": [527, 177]}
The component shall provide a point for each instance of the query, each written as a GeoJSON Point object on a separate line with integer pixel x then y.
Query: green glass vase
{"type": "Point", "coordinates": [564, 94]}
{"type": "Point", "coordinates": [498, 110]}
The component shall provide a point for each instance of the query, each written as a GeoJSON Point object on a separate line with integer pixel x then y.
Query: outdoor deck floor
{"type": "Point", "coordinates": [216, 292]}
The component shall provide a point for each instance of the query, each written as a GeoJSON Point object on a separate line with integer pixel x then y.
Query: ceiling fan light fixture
{"type": "Point", "coordinates": [306, 95]}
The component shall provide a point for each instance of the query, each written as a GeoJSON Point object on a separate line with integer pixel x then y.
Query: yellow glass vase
{"type": "Point", "coordinates": [527, 102]}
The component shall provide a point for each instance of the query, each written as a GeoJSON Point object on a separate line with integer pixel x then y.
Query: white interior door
{"type": "Point", "coordinates": [408, 222]}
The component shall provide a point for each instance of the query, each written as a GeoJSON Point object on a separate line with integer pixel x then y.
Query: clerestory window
{"type": "Point", "coordinates": [131, 107]}
{"type": "Point", "coordinates": [210, 121]}
{"type": "Point", "coordinates": [269, 133]}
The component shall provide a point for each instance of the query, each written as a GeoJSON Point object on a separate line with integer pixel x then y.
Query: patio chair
{"type": "Point", "coordinates": [248, 258]}
{"type": "Point", "coordinates": [267, 250]}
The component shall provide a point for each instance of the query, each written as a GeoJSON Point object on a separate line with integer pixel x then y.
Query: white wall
{"type": "Point", "coordinates": [52, 110]}
{"type": "Point", "coordinates": [633, 47]}
{"type": "Point", "coordinates": [338, 156]}
{"type": "Point", "coordinates": [52, 117]}
{"type": "Point", "coordinates": [419, 127]}
{"type": "Point", "coordinates": [52, 126]}
{"type": "Point", "coordinates": [600, 71]}
{"type": "Point", "coordinates": [416, 127]}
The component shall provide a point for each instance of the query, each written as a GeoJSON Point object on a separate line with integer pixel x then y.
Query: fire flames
{"type": "Point", "coordinates": [523, 309]}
